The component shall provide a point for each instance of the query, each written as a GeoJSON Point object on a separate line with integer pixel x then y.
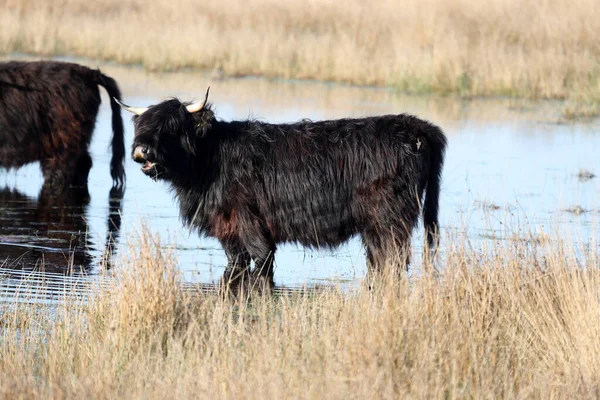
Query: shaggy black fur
{"type": "Point", "coordinates": [253, 185]}
{"type": "Point", "coordinates": [48, 113]}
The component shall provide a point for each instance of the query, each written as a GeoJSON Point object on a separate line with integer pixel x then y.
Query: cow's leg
{"type": "Point", "coordinates": [82, 170]}
{"type": "Point", "coordinates": [66, 170]}
{"type": "Point", "coordinates": [264, 264]}
{"type": "Point", "coordinates": [58, 174]}
{"type": "Point", "coordinates": [262, 252]}
{"type": "Point", "coordinates": [371, 241]}
{"type": "Point", "coordinates": [238, 261]}
{"type": "Point", "coordinates": [387, 248]}
{"type": "Point", "coordinates": [261, 248]}
{"type": "Point", "coordinates": [387, 237]}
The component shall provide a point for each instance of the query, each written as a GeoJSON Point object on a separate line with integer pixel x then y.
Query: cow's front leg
{"type": "Point", "coordinates": [238, 262]}
{"type": "Point", "coordinates": [261, 248]}
{"type": "Point", "coordinates": [264, 267]}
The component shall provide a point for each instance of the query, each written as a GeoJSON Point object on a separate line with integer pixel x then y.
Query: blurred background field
{"type": "Point", "coordinates": [542, 49]}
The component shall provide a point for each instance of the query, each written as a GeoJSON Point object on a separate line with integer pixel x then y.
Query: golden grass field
{"type": "Point", "coordinates": [515, 319]}
{"type": "Point", "coordinates": [520, 319]}
{"type": "Point", "coordinates": [542, 49]}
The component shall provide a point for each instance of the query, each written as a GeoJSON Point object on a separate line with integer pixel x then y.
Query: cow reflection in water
{"type": "Point", "coordinates": [52, 234]}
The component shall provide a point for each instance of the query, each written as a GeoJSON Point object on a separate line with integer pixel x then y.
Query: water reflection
{"type": "Point", "coordinates": [52, 233]}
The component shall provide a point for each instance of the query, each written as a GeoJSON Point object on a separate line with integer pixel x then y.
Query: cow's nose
{"type": "Point", "coordinates": [139, 153]}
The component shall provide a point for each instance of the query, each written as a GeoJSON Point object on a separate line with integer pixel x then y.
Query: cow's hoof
{"type": "Point", "coordinates": [233, 281]}
{"type": "Point", "coordinates": [261, 284]}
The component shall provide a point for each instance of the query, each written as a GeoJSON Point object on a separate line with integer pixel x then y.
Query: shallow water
{"type": "Point", "coordinates": [511, 170]}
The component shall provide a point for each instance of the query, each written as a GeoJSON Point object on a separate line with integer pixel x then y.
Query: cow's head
{"type": "Point", "coordinates": [166, 135]}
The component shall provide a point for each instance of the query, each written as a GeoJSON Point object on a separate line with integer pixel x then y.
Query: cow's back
{"type": "Point", "coordinates": [42, 104]}
{"type": "Point", "coordinates": [320, 182]}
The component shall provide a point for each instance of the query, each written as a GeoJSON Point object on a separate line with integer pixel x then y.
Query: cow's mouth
{"type": "Point", "coordinates": [148, 165]}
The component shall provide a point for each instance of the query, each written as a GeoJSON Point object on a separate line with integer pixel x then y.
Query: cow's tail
{"type": "Point", "coordinates": [437, 144]}
{"type": "Point", "coordinates": [117, 168]}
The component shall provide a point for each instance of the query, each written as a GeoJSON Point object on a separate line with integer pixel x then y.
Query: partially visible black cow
{"type": "Point", "coordinates": [48, 112]}
{"type": "Point", "coordinates": [253, 185]}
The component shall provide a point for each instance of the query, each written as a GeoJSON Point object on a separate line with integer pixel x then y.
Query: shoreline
{"type": "Point", "coordinates": [335, 97]}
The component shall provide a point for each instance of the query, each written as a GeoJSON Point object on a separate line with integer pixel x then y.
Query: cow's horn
{"type": "Point", "coordinates": [195, 107]}
{"type": "Point", "coordinates": [133, 110]}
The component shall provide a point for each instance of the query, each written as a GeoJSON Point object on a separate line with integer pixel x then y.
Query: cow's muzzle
{"type": "Point", "coordinates": [140, 155]}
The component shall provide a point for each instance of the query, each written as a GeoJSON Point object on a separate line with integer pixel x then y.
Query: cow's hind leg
{"type": "Point", "coordinates": [387, 248]}
{"type": "Point", "coordinates": [66, 170]}
{"type": "Point", "coordinates": [82, 170]}
{"type": "Point", "coordinates": [58, 174]}
{"type": "Point", "coordinates": [387, 237]}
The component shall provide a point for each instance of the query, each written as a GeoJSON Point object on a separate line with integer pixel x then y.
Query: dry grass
{"type": "Point", "coordinates": [544, 49]}
{"type": "Point", "coordinates": [581, 110]}
{"type": "Point", "coordinates": [508, 321]}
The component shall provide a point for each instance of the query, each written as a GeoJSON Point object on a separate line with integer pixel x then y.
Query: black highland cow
{"type": "Point", "coordinates": [48, 112]}
{"type": "Point", "coordinates": [253, 185]}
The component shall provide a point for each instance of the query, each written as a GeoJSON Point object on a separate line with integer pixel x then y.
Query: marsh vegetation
{"type": "Point", "coordinates": [515, 320]}
{"type": "Point", "coordinates": [545, 49]}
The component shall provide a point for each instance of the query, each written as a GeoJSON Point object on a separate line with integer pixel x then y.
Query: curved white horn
{"type": "Point", "coordinates": [195, 107]}
{"type": "Point", "coordinates": [133, 110]}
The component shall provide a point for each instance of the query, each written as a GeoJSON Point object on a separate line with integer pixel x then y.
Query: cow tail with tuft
{"type": "Point", "coordinates": [117, 168]}
{"type": "Point", "coordinates": [437, 143]}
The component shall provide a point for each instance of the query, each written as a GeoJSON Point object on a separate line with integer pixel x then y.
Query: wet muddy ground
{"type": "Point", "coordinates": [513, 168]}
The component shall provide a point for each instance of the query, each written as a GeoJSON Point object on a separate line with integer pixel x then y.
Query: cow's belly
{"type": "Point", "coordinates": [15, 157]}
{"type": "Point", "coordinates": [319, 219]}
